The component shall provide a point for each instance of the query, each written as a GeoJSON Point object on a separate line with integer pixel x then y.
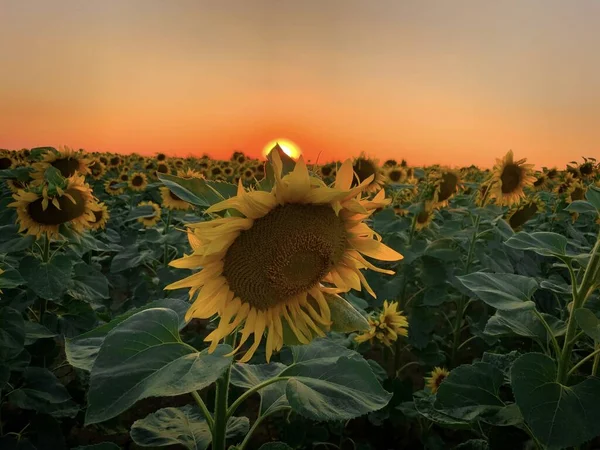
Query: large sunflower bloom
{"type": "Point", "coordinates": [138, 181]}
{"type": "Point", "coordinates": [152, 219]}
{"type": "Point", "coordinates": [100, 217]}
{"type": "Point", "coordinates": [66, 160]}
{"type": "Point", "coordinates": [509, 179]}
{"type": "Point", "coordinates": [43, 213]}
{"type": "Point", "coordinates": [266, 270]}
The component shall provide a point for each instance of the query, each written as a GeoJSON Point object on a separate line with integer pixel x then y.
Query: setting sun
{"type": "Point", "coordinates": [288, 147]}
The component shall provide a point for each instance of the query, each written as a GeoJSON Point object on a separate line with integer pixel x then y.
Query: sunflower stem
{"type": "Point", "coordinates": [258, 421]}
{"type": "Point", "coordinates": [221, 401]}
{"type": "Point", "coordinates": [45, 258]}
{"type": "Point", "coordinates": [165, 231]}
{"type": "Point", "coordinates": [204, 409]}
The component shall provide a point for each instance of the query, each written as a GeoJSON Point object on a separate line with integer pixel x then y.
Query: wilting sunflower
{"type": "Point", "coordinates": [152, 219]}
{"type": "Point", "coordinates": [43, 213]}
{"type": "Point", "coordinates": [172, 201]}
{"type": "Point", "coordinates": [509, 179]}
{"type": "Point", "coordinates": [101, 217]}
{"type": "Point", "coordinates": [365, 168]}
{"type": "Point", "coordinates": [137, 181]}
{"type": "Point", "coordinates": [267, 269]}
{"type": "Point", "coordinates": [447, 183]}
{"type": "Point", "coordinates": [524, 212]}
{"type": "Point", "coordinates": [6, 161]}
{"type": "Point", "coordinates": [425, 216]}
{"type": "Point", "coordinates": [110, 187]}
{"type": "Point", "coordinates": [66, 160]}
{"type": "Point", "coordinates": [97, 169]}
{"type": "Point", "coordinates": [395, 174]}
{"type": "Point", "coordinates": [438, 374]}
{"type": "Point", "coordinates": [386, 327]}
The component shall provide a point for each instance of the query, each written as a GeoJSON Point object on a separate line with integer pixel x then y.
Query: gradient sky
{"type": "Point", "coordinates": [449, 82]}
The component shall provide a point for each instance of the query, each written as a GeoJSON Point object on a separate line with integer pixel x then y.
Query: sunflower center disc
{"type": "Point", "coordinates": [395, 175]}
{"type": "Point", "coordinates": [522, 215]}
{"type": "Point", "coordinates": [578, 194]}
{"type": "Point", "coordinates": [364, 169]}
{"type": "Point", "coordinates": [54, 216]}
{"type": "Point", "coordinates": [5, 163]}
{"type": "Point", "coordinates": [66, 166]}
{"type": "Point", "coordinates": [137, 181]}
{"type": "Point", "coordinates": [285, 253]}
{"type": "Point", "coordinates": [447, 186]}
{"type": "Point", "coordinates": [511, 178]}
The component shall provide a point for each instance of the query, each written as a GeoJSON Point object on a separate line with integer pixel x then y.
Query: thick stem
{"type": "Point", "coordinates": [221, 400]}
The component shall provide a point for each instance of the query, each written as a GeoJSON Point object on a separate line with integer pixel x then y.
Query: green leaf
{"type": "Point", "coordinates": [129, 258]}
{"type": "Point", "coordinates": [581, 207]}
{"type": "Point", "coordinates": [503, 291]}
{"type": "Point", "coordinates": [198, 191]}
{"type": "Point", "coordinates": [470, 391]}
{"type": "Point", "coordinates": [593, 196]}
{"type": "Point", "coordinates": [275, 446]}
{"type": "Point", "coordinates": [425, 406]}
{"type": "Point", "coordinates": [559, 416]}
{"type": "Point", "coordinates": [10, 279]}
{"type": "Point", "coordinates": [328, 390]}
{"type": "Point", "coordinates": [247, 376]}
{"type": "Point", "coordinates": [542, 243]}
{"type": "Point", "coordinates": [12, 333]}
{"type": "Point", "coordinates": [82, 350]}
{"type": "Point", "coordinates": [140, 211]}
{"type": "Point", "coordinates": [344, 316]}
{"type": "Point", "coordinates": [144, 357]}
{"type": "Point", "coordinates": [588, 322]}
{"type": "Point", "coordinates": [42, 392]}
{"type": "Point", "coordinates": [53, 176]}
{"type": "Point", "coordinates": [502, 362]}
{"type": "Point", "coordinates": [48, 280]}
{"type": "Point", "coordinates": [89, 284]}
{"type": "Point", "coordinates": [35, 331]}
{"type": "Point", "coordinates": [17, 244]}
{"type": "Point", "coordinates": [524, 323]}
{"type": "Point", "coordinates": [320, 348]}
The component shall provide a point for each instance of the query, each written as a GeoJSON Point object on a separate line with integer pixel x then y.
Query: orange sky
{"type": "Point", "coordinates": [444, 82]}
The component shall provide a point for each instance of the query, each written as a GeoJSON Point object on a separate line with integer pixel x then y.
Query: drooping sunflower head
{"type": "Point", "coordinates": [111, 187]}
{"type": "Point", "coordinates": [97, 169]}
{"type": "Point", "coordinates": [552, 173]}
{"type": "Point", "coordinates": [270, 266]}
{"type": "Point", "coordinates": [151, 219]}
{"type": "Point", "coordinates": [364, 168]}
{"type": "Point", "coordinates": [137, 181]}
{"type": "Point", "coordinates": [540, 182]}
{"type": "Point", "coordinates": [509, 179]}
{"type": "Point", "coordinates": [438, 375]}
{"type": "Point", "coordinates": [386, 326]}
{"type": "Point", "coordinates": [424, 216]}
{"type": "Point", "coordinates": [101, 216]}
{"type": "Point", "coordinates": [447, 183]}
{"type": "Point", "coordinates": [171, 201]}
{"type": "Point", "coordinates": [15, 185]}
{"type": "Point", "coordinates": [576, 191]}
{"type": "Point", "coordinates": [42, 213]}
{"type": "Point", "coordinates": [65, 159]}
{"type": "Point", "coordinates": [586, 169]}
{"type": "Point", "coordinates": [395, 174]}
{"type": "Point", "coordinates": [390, 163]}
{"type": "Point", "coordinates": [524, 212]}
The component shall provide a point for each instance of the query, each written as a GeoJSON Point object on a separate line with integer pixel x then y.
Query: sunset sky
{"type": "Point", "coordinates": [449, 82]}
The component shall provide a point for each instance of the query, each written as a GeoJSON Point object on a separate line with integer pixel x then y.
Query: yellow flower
{"type": "Point", "coordinates": [66, 160]}
{"type": "Point", "coordinates": [172, 201]}
{"type": "Point", "coordinates": [438, 374]}
{"type": "Point", "coordinates": [97, 169]}
{"type": "Point", "coordinates": [6, 161]}
{"type": "Point", "coordinates": [267, 269]}
{"type": "Point", "coordinates": [44, 213]}
{"type": "Point", "coordinates": [101, 217]}
{"type": "Point", "coordinates": [190, 173]}
{"type": "Point", "coordinates": [576, 191]}
{"type": "Point", "coordinates": [425, 215]}
{"type": "Point", "coordinates": [386, 328]}
{"type": "Point", "coordinates": [111, 189]}
{"type": "Point", "coordinates": [524, 212]}
{"type": "Point", "coordinates": [138, 181]}
{"type": "Point", "coordinates": [152, 219]}
{"type": "Point", "coordinates": [395, 174]}
{"type": "Point", "coordinates": [447, 183]}
{"type": "Point", "coordinates": [509, 179]}
{"type": "Point", "coordinates": [366, 168]}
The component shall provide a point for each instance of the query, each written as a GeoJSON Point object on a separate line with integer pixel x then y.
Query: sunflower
{"type": "Point", "coordinates": [97, 169]}
{"type": "Point", "coordinates": [152, 219]}
{"type": "Point", "coordinates": [101, 217]}
{"type": "Point", "coordinates": [438, 375]}
{"type": "Point", "coordinates": [509, 179]}
{"type": "Point", "coordinates": [172, 201]}
{"type": "Point", "coordinates": [248, 174]}
{"type": "Point", "coordinates": [43, 213]}
{"type": "Point", "coordinates": [161, 157]}
{"type": "Point", "coordinates": [189, 173]}
{"type": "Point", "coordinates": [425, 216]}
{"type": "Point", "coordinates": [267, 268]}
{"type": "Point", "coordinates": [386, 328]}
{"type": "Point", "coordinates": [552, 173]}
{"type": "Point", "coordinates": [524, 212]}
{"type": "Point", "coordinates": [327, 170]}
{"type": "Point", "coordinates": [15, 185]}
{"type": "Point", "coordinates": [395, 174]}
{"type": "Point", "coordinates": [390, 163]}
{"type": "Point", "coordinates": [540, 182]}
{"type": "Point", "coordinates": [137, 181]}
{"type": "Point", "coordinates": [586, 169]}
{"type": "Point", "coordinates": [162, 168]}
{"type": "Point", "coordinates": [103, 159]}
{"type": "Point", "coordinates": [110, 187]}
{"type": "Point", "coordinates": [124, 177]}
{"type": "Point", "coordinates": [228, 171]}
{"type": "Point", "coordinates": [365, 168]}
{"type": "Point", "coordinates": [114, 161]}
{"type": "Point", "coordinates": [66, 160]}
{"type": "Point", "coordinates": [447, 183]}
{"type": "Point", "coordinates": [6, 161]}
{"type": "Point", "coordinates": [576, 191]}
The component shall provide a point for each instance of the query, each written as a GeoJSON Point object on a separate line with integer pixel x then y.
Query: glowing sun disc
{"type": "Point", "coordinates": [288, 147]}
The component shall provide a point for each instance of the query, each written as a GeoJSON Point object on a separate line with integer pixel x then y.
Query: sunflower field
{"type": "Point", "coordinates": [191, 303]}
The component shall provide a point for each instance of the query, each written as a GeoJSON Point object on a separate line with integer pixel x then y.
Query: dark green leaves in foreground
{"type": "Point", "coordinates": [503, 291]}
{"type": "Point", "coordinates": [144, 357]}
{"type": "Point", "coordinates": [542, 243]}
{"type": "Point", "coordinates": [48, 280]}
{"type": "Point", "coordinates": [559, 416]}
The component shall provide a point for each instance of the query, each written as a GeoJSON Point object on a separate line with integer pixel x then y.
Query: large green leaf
{"type": "Point", "coordinates": [144, 357]}
{"type": "Point", "coordinates": [345, 317]}
{"type": "Point", "coordinates": [524, 323]}
{"type": "Point", "coordinates": [48, 280]}
{"type": "Point", "coordinates": [12, 333]}
{"type": "Point", "coordinates": [503, 291]}
{"type": "Point", "coordinates": [581, 207]}
{"type": "Point", "coordinates": [320, 348]}
{"type": "Point", "coordinates": [10, 279]}
{"type": "Point", "coordinates": [543, 243]}
{"type": "Point", "coordinates": [470, 391]}
{"type": "Point", "coordinates": [89, 284]}
{"type": "Point", "coordinates": [129, 258]}
{"type": "Point", "coordinates": [41, 391]}
{"type": "Point", "coordinates": [198, 191]}
{"type": "Point", "coordinates": [424, 404]}
{"type": "Point", "coordinates": [184, 426]}
{"type": "Point", "coordinates": [35, 331]}
{"type": "Point", "coordinates": [82, 350]}
{"type": "Point", "coordinates": [560, 416]}
{"type": "Point", "coordinates": [341, 389]}
{"type": "Point", "coordinates": [588, 322]}
{"type": "Point", "coordinates": [247, 376]}
{"type": "Point", "coordinates": [593, 196]}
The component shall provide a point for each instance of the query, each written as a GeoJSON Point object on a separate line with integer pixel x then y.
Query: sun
{"type": "Point", "coordinates": [288, 147]}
